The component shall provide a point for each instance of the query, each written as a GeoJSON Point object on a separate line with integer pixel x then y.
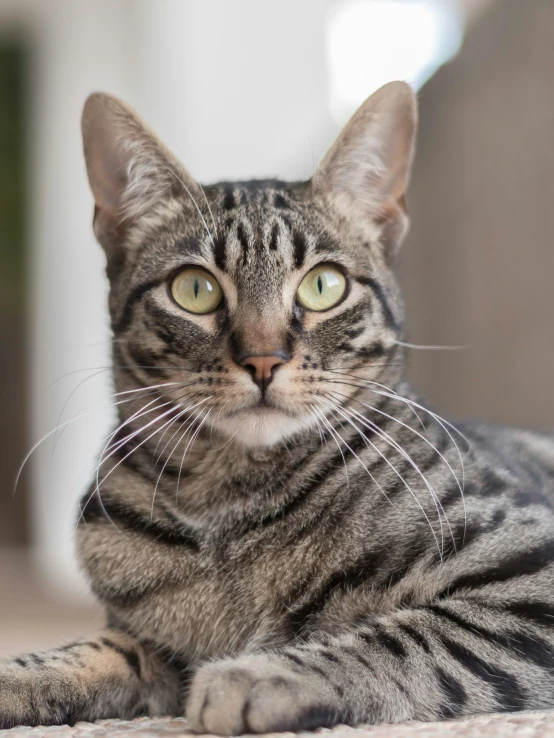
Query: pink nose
{"type": "Point", "coordinates": [262, 367]}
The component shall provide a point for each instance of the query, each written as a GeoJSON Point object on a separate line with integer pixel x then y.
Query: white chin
{"type": "Point", "coordinates": [261, 426]}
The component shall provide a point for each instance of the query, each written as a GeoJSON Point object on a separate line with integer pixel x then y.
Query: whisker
{"type": "Point", "coordinates": [189, 193]}
{"type": "Point", "coordinates": [146, 390]}
{"type": "Point", "coordinates": [412, 430]}
{"type": "Point", "coordinates": [104, 459]}
{"type": "Point", "coordinates": [333, 431]}
{"type": "Point", "coordinates": [430, 347]}
{"type": "Point", "coordinates": [201, 402]}
{"type": "Point", "coordinates": [400, 450]}
{"type": "Point", "coordinates": [395, 395]}
{"type": "Point", "coordinates": [187, 448]}
{"type": "Point", "coordinates": [323, 420]}
{"type": "Point", "coordinates": [180, 415]}
{"type": "Point", "coordinates": [38, 443]}
{"type": "Point", "coordinates": [209, 206]}
{"type": "Point", "coordinates": [444, 424]}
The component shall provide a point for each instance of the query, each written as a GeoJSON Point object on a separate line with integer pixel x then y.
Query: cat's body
{"type": "Point", "coordinates": [335, 553]}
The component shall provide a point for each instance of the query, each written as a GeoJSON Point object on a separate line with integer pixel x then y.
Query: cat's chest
{"type": "Point", "coordinates": [203, 603]}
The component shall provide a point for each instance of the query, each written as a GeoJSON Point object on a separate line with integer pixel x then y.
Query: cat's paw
{"type": "Point", "coordinates": [259, 694]}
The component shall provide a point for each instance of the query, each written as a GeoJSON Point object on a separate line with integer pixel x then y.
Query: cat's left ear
{"type": "Point", "coordinates": [131, 173]}
{"type": "Point", "coordinates": [364, 176]}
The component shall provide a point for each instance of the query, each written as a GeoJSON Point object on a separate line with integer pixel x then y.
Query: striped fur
{"type": "Point", "coordinates": [344, 555]}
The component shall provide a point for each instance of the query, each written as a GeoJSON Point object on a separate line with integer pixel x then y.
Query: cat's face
{"type": "Point", "coordinates": [255, 299]}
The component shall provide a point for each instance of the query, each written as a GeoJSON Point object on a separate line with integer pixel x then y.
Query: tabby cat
{"type": "Point", "coordinates": [283, 536]}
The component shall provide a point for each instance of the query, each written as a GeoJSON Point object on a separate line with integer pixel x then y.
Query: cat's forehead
{"type": "Point", "coordinates": [262, 225]}
{"type": "Point", "coordinates": [257, 194]}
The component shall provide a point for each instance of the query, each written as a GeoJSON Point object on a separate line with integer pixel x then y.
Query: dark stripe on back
{"type": "Point", "coordinates": [516, 643]}
{"type": "Point", "coordinates": [390, 643]}
{"type": "Point", "coordinates": [347, 577]}
{"type": "Point", "coordinates": [280, 201]}
{"type": "Point", "coordinates": [541, 613]}
{"type": "Point", "coordinates": [522, 563]}
{"type": "Point", "coordinates": [416, 636]}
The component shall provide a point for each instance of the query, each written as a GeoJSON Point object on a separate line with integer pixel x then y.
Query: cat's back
{"type": "Point", "coordinates": [525, 458]}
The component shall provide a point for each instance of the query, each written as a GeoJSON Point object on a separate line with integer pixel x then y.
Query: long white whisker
{"type": "Point", "coordinates": [324, 421]}
{"type": "Point", "coordinates": [397, 396]}
{"type": "Point", "coordinates": [180, 415]}
{"type": "Point", "coordinates": [146, 390]}
{"type": "Point", "coordinates": [209, 206]}
{"type": "Point", "coordinates": [193, 437]}
{"type": "Point", "coordinates": [400, 450]}
{"type": "Point", "coordinates": [96, 490]}
{"type": "Point", "coordinates": [430, 347]}
{"type": "Point", "coordinates": [189, 193]}
{"type": "Point", "coordinates": [37, 444]}
{"type": "Point", "coordinates": [201, 402]}
{"type": "Point", "coordinates": [444, 424]}
{"type": "Point", "coordinates": [420, 435]}
{"type": "Point", "coordinates": [79, 384]}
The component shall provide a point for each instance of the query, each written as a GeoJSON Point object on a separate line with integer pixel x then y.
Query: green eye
{"type": "Point", "coordinates": [196, 290]}
{"type": "Point", "coordinates": [322, 288]}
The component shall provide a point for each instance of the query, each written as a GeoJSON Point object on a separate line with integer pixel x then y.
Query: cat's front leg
{"type": "Point", "coordinates": [108, 676]}
{"type": "Point", "coordinates": [448, 659]}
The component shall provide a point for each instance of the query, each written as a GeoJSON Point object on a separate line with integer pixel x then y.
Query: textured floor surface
{"type": "Point", "coordinates": [528, 725]}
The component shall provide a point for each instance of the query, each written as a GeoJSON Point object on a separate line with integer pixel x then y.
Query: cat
{"type": "Point", "coordinates": [283, 536]}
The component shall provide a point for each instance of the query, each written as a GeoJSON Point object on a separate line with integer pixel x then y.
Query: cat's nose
{"type": "Point", "coordinates": [262, 368]}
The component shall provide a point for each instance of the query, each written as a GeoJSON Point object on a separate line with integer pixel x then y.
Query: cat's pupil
{"type": "Point", "coordinates": [319, 285]}
{"type": "Point", "coordinates": [196, 287]}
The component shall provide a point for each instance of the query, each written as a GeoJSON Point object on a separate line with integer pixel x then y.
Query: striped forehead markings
{"type": "Point", "coordinates": [229, 201]}
{"type": "Point", "coordinates": [220, 256]}
{"type": "Point", "coordinates": [274, 237]}
{"type": "Point", "coordinates": [243, 240]}
{"type": "Point", "coordinates": [299, 245]}
{"type": "Point", "coordinates": [280, 202]}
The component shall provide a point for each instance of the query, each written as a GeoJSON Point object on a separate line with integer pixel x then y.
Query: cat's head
{"type": "Point", "coordinates": [264, 300]}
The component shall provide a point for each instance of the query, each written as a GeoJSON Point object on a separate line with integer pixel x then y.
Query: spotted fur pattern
{"type": "Point", "coordinates": [330, 552]}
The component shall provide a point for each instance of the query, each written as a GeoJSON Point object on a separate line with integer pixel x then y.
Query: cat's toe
{"type": "Point", "coordinates": [258, 694]}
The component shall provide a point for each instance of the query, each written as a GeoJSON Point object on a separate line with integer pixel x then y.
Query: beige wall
{"type": "Point", "coordinates": [478, 266]}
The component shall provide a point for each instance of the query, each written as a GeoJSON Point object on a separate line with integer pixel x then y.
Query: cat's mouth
{"type": "Point", "coordinates": [261, 408]}
{"type": "Point", "coordinates": [262, 423]}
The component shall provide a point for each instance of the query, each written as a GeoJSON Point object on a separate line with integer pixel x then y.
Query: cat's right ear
{"type": "Point", "coordinates": [131, 173]}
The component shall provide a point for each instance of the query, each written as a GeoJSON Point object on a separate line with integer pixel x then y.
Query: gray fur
{"type": "Point", "coordinates": [345, 557]}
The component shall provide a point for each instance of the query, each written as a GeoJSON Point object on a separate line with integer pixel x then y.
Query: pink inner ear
{"type": "Point", "coordinates": [107, 179]}
{"type": "Point", "coordinates": [369, 164]}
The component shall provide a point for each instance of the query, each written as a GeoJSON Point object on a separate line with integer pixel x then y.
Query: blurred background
{"type": "Point", "coordinates": [239, 89]}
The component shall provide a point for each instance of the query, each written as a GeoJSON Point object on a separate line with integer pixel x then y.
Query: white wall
{"type": "Point", "coordinates": [77, 47]}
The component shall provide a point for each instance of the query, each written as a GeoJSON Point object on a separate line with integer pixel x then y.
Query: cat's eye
{"type": "Point", "coordinates": [197, 291]}
{"type": "Point", "coordinates": [322, 288]}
